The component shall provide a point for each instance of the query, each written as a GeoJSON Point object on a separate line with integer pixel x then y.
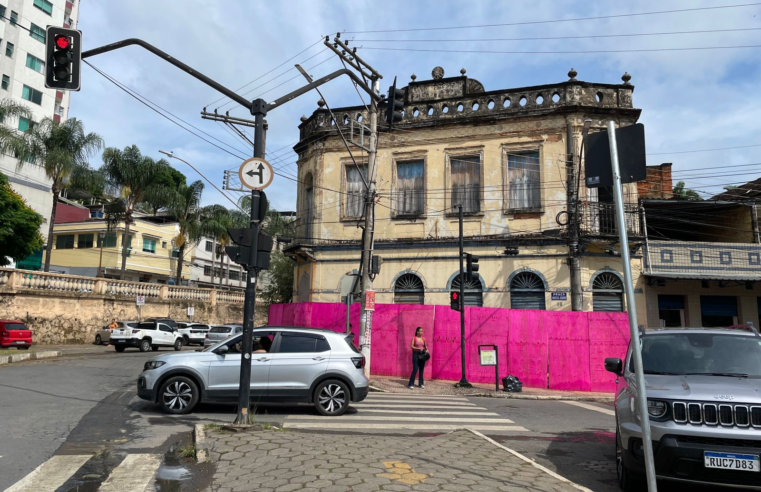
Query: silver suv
{"type": "Point", "coordinates": [704, 405]}
{"type": "Point", "coordinates": [287, 365]}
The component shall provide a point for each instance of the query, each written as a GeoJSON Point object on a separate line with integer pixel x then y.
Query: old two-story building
{"type": "Point", "coordinates": [702, 259]}
{"type": "Point", "coordinates": [502, 155]}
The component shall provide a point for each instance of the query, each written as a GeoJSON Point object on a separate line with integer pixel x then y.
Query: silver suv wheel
{"type": "Point", "coordinates": [178, 395]}
{"type": "Point", "coordinates": [331, 397]}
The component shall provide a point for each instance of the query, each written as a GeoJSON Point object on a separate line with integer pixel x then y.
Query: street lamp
{"type": "Point", "coordinates": [102, 236]}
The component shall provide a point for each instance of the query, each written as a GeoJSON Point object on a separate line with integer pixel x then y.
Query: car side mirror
{"type": "Point", "coordinates": [614, 365]}
{"type": "Point", "coordinates": [222, 350]}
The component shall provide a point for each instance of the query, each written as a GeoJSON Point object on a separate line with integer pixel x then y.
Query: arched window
{"type": "Point", "coordinates": [409, 289]}
{"type": "Point", "coordinates": [607, 293]}
{"type": "Point", "coordinates": [305, 287]}
{"type": "Point", "coordinates": [474, 296]}
{"type": "Point", "coordinates": [308, 206]}
{"type": "Point", "coordinates": [527, 291]}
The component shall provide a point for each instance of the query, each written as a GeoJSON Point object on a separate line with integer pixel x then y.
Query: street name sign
{"type": "Point", "coordinates": [256, 173]}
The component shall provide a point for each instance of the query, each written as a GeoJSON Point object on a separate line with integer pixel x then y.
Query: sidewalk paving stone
{"type": "Point", "coordinates": [326, 462]}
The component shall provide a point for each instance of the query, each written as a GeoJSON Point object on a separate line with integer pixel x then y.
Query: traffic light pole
{"type": "Point", "coordinates": [366, 319]}
{"type": "Point", "coordinates": [463, 359]}
{"type": "Point", "coordinates": [249, 303]}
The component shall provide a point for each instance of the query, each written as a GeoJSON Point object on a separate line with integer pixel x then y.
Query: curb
{"type": "Point", "coordinates": [531, 462]}
{"type": "Point", "coordinates": [517, 396]}
{"type": "Point", "coordinates": [201, 443]}
{"type": "Point", "coordinates": [44, 354]}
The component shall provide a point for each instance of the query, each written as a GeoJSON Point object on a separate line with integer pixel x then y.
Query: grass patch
{"type": "Point", "coordinates": [187, 451]}
{"type": "Point", "coordinates": [212, 427]}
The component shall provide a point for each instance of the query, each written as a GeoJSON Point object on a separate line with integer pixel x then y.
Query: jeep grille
{"type": "Point", "coordinates": [735, 415]}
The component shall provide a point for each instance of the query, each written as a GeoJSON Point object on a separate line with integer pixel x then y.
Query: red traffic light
{"type": "Point", "coordinates": [63, 42]}
{"type": "Point", "coordinates": [454, 295]}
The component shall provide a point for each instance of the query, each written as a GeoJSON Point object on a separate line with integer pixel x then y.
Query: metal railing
{"type": "Point", "coordinates": [599, 219]}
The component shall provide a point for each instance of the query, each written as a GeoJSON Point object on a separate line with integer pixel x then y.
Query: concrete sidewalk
{"type": "Point", "coordinates": [278, 461]}
{"type": "Point", "coordinates": [439, 387]}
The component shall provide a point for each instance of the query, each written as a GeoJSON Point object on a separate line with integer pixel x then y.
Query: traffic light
{"type": "Point", "coordinates": [375, 265]}
{"type": "Point", "coordinates": [454, 300]}
{"type": "Point", "coordinates": [241, 254]}
{"type": "Point", "coordinates": [471, 262]}
{"type": "Point", "coordinates": [394, 104]}
{"type": "Point", "coordinates": [63, 57]}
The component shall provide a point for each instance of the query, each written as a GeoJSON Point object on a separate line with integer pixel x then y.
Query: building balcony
{"type": "Point", "coordinates": [703, 260]}
{"type": "Point", "coordinates": [599, 219]}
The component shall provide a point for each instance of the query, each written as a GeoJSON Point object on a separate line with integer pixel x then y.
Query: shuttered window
{"type": "Point", "coordinates": [607, 293]}
{"type": "Point", "coordinates": [466, 183]}
{"type": "Point", "coordinates": [718, 310]}
{"type": "Point", "coordinates": [355, 189]}
{"type": "Point", "coordinates": [523, 181]}
{"type": "Point", "coordinates": [408, 289]}
{"type": "Point", "coordinates": [410, 188]}
{"type": "Point", "coordinates": [473, 295]}
{"type": "Point", "coordinates": [527, 292]}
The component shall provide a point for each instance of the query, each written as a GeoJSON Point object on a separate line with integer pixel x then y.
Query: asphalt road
{"type": "Point", "coordinates": [87, 404]}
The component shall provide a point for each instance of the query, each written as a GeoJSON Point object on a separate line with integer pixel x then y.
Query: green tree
{"type": "Point", "coordinates": [10, 138]}
{"type": "Point", "coordinates": [134, 175]}
{"type": "Point", "coordinates": [185, 205]}
{"type": "Point", "coordinates": [19, 225]}
{"type": "Point", "coordinates": [280, 273]}
{"type": "Point", "coordinates": [682, 193]}
{"type": "Point", "coordinates": [168, 178]}
{"type": "Point", "coordinates": [62, 149]}
{"type": "Point", "coordinates": [214, 221]}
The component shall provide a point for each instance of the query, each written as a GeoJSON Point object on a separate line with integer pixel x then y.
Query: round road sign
{"type": "Point", "coordinates": [256, 173]}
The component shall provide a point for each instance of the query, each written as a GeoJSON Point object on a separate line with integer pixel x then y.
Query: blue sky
{"type": "Point", "coordinates": [691, 100]}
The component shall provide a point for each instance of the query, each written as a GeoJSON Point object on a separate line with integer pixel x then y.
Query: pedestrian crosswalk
{"type": "Point", "coordinates": [133, 474]}
{"type": "Point", "coordinates": [394, 413]}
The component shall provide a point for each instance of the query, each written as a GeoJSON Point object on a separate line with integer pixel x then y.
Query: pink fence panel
{"type": "Point", "coordinates": [302, 314]}
{"type": "Point", "coordinates": [445, 350]}
{"type": "Point", "coordinates": [608, 337]}
{"type": "Point", "coordinates": [330, 316]}
{"type": "Point", "coordinates": [568, 340]}
{"type": "Point", "coordinates": [410, 317]}
{"type": "Point", "coordinates": [488, 326]}
{"type": "Point", "coordinates": [275, 315]}
{"type": "Point", "coordinates": [288, 310]}
{"type": "Point", "coordinates": [385, 340]}
{"type": "Point", "coordinates": [527, 347]}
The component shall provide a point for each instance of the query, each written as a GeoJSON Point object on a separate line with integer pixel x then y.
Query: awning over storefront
{"type": "Point", "coordinates": [704, 276]}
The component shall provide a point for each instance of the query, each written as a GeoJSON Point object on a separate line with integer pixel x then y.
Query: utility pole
{"type": "Point", "coordinates": [573, 222]}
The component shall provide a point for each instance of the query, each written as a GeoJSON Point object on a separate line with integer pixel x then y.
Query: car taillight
{"type": "Point", "coordinates": [207, 335]}
{"type": "Point", "coordinates": [3, 333]}
{"type": "Point", "coordinates": [359, 362]}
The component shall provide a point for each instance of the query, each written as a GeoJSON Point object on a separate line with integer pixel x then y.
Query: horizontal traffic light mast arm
{"type": "Point", "coordinates": [174, 61]}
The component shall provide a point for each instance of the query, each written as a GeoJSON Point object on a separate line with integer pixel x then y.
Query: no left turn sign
{"type": "Point", "coordinates": [256, 173]}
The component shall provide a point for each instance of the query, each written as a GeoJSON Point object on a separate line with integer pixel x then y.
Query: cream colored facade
{"type": "Point", "coordinates": [514, 142]}
{"type": "Point", "coordinates": [151, 253]}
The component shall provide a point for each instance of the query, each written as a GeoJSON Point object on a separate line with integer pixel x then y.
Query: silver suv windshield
{"type": "Point", "coordinates": [708, 354]}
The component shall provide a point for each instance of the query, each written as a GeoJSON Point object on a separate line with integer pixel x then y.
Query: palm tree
{"type": "Point", "coordinates": [9, 136]}
{"type": "Point", "coordinates": [185, 206]}
{"type": "Point", "coordinates": [62, 149]}
{"type": "Point", "coordinates": [214, 221]}
{"type": "Point", "coordinates": [135, 176]}
{"type": "Point", "coordinates": [682, 193]}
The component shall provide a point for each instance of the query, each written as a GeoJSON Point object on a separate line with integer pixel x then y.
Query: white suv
{"type": "Point", "coordinates": [148, 335]}
{"type": "Point", "coordinates": [192, 332]}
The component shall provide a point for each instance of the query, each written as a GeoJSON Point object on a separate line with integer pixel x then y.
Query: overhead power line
{"type": "Point", "coordinates": [552, 21]}
{"type": "Point", "coordinates": [565, 52]}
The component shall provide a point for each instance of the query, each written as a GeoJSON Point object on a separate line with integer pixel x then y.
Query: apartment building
{"type": "Point", "coordinates": [211, 267]}
{"type": "Point", "coordinates": [22, 68]}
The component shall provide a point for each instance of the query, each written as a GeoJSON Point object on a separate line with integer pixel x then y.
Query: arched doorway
{"type": "Point", "coordinates": [409, 289]}
{"type": "Point", "coordinates": [305, 286]}
{"type": "Point", "coordinates": [527, 291]}
{"type": "Point", "coordinates": [607, 292]}
{"type": "Point", "coordinates": [473, 295]}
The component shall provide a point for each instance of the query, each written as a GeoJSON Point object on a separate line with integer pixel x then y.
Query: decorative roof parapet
{"type": "Point", "coordinates": [443, 101]}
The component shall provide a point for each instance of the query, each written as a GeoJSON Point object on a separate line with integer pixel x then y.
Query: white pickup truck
{"type": "Point", "coordinates": [148, 335]}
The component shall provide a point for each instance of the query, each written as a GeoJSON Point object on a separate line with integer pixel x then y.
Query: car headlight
{"type": "Point", "coordinates": [656, 408]}
{"type": "Point", "coordinates": [153, 364]}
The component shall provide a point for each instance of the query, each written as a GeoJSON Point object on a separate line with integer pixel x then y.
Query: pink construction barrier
{"type": "Point", "coordinates": [546, 349]}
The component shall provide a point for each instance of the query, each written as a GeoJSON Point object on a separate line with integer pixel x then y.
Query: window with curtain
{"type": "Point", "coordinates": [85, 241]}
{"type": "Point", "coordinates": [35, 63]}
{"type": "Point", "coordinates": [410, 188]}
{"type": "Point", "coordinates": [355, 189]}
{"type": "Point", "coordinates": [37, 33]}
{"type": "Point", "coordinates": [149, 245]}
{"type": "Point", "coordinates": [523, 183]}
{"type": "Point", "coordinates": [466, 183]}
{"type": "Point", "coordinates": [44, 5]}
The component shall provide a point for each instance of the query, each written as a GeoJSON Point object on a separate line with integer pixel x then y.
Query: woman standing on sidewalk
{"type": "Point", "coordinates": [419, 356]}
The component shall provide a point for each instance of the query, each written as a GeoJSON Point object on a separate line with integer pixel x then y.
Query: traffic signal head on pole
{"type": "Point", "coordinates": [454, 301]}
{"type": "Point", "coordinates": [395, 104]}
{"type": "Point", "coordinates": [471, 262]}
{"type": "Point", "coordinates": [63, 57]}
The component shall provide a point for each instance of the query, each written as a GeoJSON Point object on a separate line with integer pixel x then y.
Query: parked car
{"type": "Point", "coordinates": [15, 334]}
{"type": "Point", "coordinates": [704, 406]}
{"type": "Point", "coordinates": [167, 321]}
{"type": "Point", "coordinates": [314, 366]}
{"type": "Point", "coordinates": [193, 333]}
{"type": "Point", "coordinates": [218, 333]}
{"type": "Point", "coordinates": [103, 336]}
{"type": "Point", "coordinates": [148, 335]}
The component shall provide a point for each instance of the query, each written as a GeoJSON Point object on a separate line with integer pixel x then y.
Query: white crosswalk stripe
{"type": "Point", "coordinates": [400, 413]}
{"type": "Point", "coordinates": [134, 474]}
{"type": "Point", "coordinates": [50, 475]}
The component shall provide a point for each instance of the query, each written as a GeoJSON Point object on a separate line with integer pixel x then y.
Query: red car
{"type": "Point", "coordinates": [14, 334]}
